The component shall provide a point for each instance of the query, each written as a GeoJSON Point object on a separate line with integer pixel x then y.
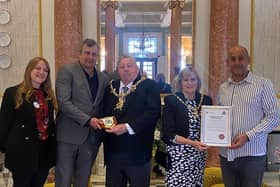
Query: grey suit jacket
{"type": "Point", "coordinates": [75, 103]}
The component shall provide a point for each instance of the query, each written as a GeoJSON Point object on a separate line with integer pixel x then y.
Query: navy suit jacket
{"type": "Point", "coordinates": [141, 111]}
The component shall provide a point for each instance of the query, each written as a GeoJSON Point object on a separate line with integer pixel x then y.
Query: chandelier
{"type": "Point", "coordinates": [144, 42]}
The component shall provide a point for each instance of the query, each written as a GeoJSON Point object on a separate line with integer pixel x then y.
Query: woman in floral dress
{"type": "Point", "coordinates": [181, 132]}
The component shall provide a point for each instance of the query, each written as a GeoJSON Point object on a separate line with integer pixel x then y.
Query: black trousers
{"type": "Point", "coordinates": [30, 178]}
{"type": "Point", "coordinates": [118, 175]}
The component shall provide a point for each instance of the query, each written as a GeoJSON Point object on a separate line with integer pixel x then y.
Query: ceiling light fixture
{"type": "Point", "coordinates": [144, 42]}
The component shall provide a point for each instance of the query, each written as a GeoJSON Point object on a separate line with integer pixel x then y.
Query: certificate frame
{"type": "Point", "coordinates": [216, 125]}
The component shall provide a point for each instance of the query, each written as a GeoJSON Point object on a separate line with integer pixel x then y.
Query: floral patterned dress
{"type": "Point", "coordinates": [187, 163]}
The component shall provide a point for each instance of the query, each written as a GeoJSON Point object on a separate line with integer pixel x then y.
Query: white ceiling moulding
{"type": "Point", "coordinates": [136, 0]}
{"type": "Point", "coordinates": [157, 13]}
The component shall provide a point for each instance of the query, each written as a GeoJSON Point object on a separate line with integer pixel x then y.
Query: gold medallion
{"type": "Point", "coordinates": [120, 103]}
{"type": "Point", "coordinates": [193, 109]}
{"type": "Point", "coordinates": [109, 122]}
{"type": "Point", "coordinates": [122, 96]}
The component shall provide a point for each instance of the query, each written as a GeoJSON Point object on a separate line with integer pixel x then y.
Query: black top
{"type": "Point", "coordinates": [19, 135]}
{"type": "Point", "coordinates": [175, 118]}
{"type": "Point", "coordinates": [93, 83]}
{"type": "Point", "coordinates": [164, 87]}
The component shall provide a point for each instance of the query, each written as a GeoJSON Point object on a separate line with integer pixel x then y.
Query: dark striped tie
{"type": "Point", "coordinates": [124, 89]}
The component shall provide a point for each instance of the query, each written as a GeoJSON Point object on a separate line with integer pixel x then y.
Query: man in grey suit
{"type": "Point", "coordinates": [79, 90]}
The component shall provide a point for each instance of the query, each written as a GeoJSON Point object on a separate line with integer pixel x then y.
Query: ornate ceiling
{"type": "Point", "coordinates": [154, 13]}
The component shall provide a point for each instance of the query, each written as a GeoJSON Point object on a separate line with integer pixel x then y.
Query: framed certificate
{"type": "Point", "coordinates": [216, 125]}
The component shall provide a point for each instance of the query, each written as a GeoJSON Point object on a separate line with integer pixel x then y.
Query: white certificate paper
{"type": "Point", "coordinates": [216, 125]}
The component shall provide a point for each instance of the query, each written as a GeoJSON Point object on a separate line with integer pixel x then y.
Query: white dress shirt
{"type": "Point", "coordinates": [128, 127]}
{"type": "Point", "coordinates": [255, 112]}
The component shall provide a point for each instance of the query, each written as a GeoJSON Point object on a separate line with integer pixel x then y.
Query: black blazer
{"type": "Point", "coordinates": [19, 135]}
{"type": "Point", "coordinates": [174, 117]}
{"type": "Point", "coordinates": [141, 111]}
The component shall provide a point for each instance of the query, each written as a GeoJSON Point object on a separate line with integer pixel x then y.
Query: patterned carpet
{"type": "Point", "coordinates": [95, 180]}
{"type": "Point", "coordinates": [98, 181]}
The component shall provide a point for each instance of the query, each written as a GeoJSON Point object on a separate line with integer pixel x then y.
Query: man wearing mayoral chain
{"type": "Point", "coordinates": [135, 103]}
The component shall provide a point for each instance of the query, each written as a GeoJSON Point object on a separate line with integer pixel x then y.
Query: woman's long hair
{"type": "Point", "coordinates": [25, 89]}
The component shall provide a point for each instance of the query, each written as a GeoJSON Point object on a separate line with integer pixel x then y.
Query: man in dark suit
{"type": "Point", "coordinates": [80, 90]}
{"type": "Point", "coordinates": [135, 102]}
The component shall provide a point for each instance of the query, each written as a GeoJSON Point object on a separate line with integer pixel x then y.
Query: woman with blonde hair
{"type": "Point", "coordinates": [27, 126]}
{"type": "Point", "coordinates": [181, 131]}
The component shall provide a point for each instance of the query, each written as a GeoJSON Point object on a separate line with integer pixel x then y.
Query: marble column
{"type": "Point", "coordinates": [68, 31]}
{"type": "Point", "coordinates": [110, 32]}
{"type": "Point", "coordinates": [223, 35]}
{"type": "Point", "coordinates": [176, 7]}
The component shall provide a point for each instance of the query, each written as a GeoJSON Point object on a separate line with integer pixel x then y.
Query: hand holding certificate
{"type": "Point", "coordinates": [216, 125]}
